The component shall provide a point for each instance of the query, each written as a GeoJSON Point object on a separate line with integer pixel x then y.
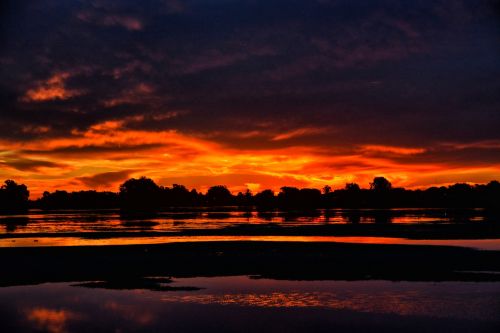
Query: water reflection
{"type": "Point", "coordinates": [51, 320]}
{"type": "Point", "coordinates": [239, 303]}
{"type": "Point", "coordinates": [114, 220]}
{"type": "Point", "coordinates": [218, 215]}
{"type": "Point", "coordinates": [480, 244]}
{"type": "Point", "coordinates": [266, 216]}
{"type": "Point", "coordinates": [352, 216]}
{"type": "Point", "coordinates": [12, 223]}
{"type": "Point", "coordinates": [139, 225]}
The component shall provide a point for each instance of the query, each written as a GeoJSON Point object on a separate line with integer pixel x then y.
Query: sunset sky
{"type": "Point", "coordinates": [251, 94]}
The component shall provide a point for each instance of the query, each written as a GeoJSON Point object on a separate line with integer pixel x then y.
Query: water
{"type": "Point", "coordinates": [109, 227]}
{"type": "Point", "coordinates": [243, 304]}
{"type": "Point", "coordinates": [479, 244]}
{"type": "Point", "coordinates": [111, 220]}
{"type": "Point", "coordinates": [239, 303]}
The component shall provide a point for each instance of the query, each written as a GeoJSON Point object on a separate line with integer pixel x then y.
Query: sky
{"type": "Point", "coordinates": [250, 94]}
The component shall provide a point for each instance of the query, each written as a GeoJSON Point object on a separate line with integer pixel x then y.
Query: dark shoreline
{"type": "Point", "coordinates": [278, 260]}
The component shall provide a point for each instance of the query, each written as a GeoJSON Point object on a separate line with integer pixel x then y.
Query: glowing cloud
{"type": "Point", "coordinates": [53, 88]}
{"type": "Point", "coordinates": [94, 92]}
{"type": "Point", "coordinates": [107, 153]}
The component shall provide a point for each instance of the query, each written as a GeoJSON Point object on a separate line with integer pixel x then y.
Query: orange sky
{"type": "Point", "coordinates": [317, 93]}
{"type": "Point", "coordinates": [106, 154]}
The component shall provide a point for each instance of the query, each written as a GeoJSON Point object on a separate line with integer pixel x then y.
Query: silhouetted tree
{"type": "Point", "coordinates": [244, 199]}
{"type": "Point", "coordinates": [380, 184]}
{"type": "Point", "coordinates": [295, 199]}
{"type": "Point", "coordinates": [265, 200]}
{"type": "Point", "coordinates": [352, 187]}
{"type": "Point", "coordinates": [13, 196]}
{"type": "Point", "coordinates": [178, 196]}
{"type": "Point", "coordinates": [77, 200]}
{"type": "Point", "coordinates": [289, 197]}
{"type": "Point", "coordinates": [491, 195]}
{"type": "Point", "coordinates": [327, 189]}
{"type": "Point", "coordinates": [140, 194]}
{"type": "Point", "coordinates": [460, 195]}
{"type": "Point", "coordinates": [219, 195]}
{"type": "Point", "coordinates": [327, 199]}
{"type": "Point", "coordinates": [144, 195]}
{"type": "Point", "coordinates": [310, 198]}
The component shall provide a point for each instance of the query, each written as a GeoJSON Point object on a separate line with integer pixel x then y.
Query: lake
{"type": "Point", "coordinates": [243, 304]}
{"type": "Point", "coordinates": [111, 220]}
{"type": "Point", "coordinates": [291, 272]}
{"type": "Point", "coordinates": [109, 227]}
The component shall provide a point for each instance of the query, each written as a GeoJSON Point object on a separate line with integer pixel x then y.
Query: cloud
{"type": "Point", "coordinates": [105, 179]}
{"type": "Point", "coordinates": [29, 165]}
{"type": "Point", "coordinates": [35, 129]}
{"type": "Point", "coordinates": [224, 56]}
{"type": "Point", "coordinates": [87, 151]}
{"type": "Point", "coordinates": [140, 93]}
{"type": "Point", "coordinates": [392, 150]}
{"type": "Point", "coordinates": [298, 133]}
{"type": "Point", "coordinates": [53, 88]}
{"type": "Point", "coordinates": [174, 6]}
{"type": "Point", "coordinates": [486, 144]}
{"type": "Point", "coordinates": [319, 93]}
{"type": "Point", "coordinates": [128, 22]}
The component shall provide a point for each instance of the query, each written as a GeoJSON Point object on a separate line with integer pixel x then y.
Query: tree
{"type": "Point", "coordinates": [310, 198]}
{"type": "Point", "coordinates": [289, 197]}
{"type": "Point", "coordinates": [244, 199]}
{"type": "Point", "coordinates": [292, 198]}
{"type": "Point", "coordinates": [13, 196]}
{"type": "Point", "coordinates": [77, 200]}
{"type": "Point", "coordinates": [352, 187]}
{"type": "Point", "coordinates": [327, 189]}
{"type": "Point", "coordinates": [140, 194]}
{"type": "Point", "coordinates": [219, 195]}
{"type": "Point", "coordinates": [178, 195]}
{"type": "Point", "coordinates": [380, 184]}
{"type": "Point", "coordinates": [265, 199]}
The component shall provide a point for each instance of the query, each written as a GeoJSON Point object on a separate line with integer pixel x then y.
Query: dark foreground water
{"type": "Point", "coordinates": [242, 304]}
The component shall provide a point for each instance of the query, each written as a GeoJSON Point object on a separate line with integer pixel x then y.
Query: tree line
{"type": "Point", "coordinates": [144, 194]}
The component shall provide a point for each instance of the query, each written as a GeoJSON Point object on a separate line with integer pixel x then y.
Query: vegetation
{"type": "Point", "coordinates": [13, 197]}
{"type": "Point", "coordinates": [143, 194]}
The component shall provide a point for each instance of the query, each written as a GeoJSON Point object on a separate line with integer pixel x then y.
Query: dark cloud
{"type": "Point", "coordinates": [472, 157]}
{"type": "Point", "coordinates": [380, 72]}
{"type": "Point", "coordinates": [87, 150]}
{"type": "Point", "coordinates": [105, 179]}
{"type": "Point", "coordinates": [27, 164]}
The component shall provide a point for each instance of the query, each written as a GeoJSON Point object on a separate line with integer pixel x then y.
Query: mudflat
{"type": "Point", "coordinates": [278, 260]}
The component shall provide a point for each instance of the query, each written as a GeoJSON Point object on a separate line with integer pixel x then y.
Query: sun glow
{"type": "Point", "coordinates": [107, 153]}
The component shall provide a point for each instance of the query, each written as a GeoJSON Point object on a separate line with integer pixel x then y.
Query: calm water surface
{"type": "Point", "coordinates": [111, 220]}
{"type": "Point", "coordinates": [109, 227]}
{"type": "Point", "coordinates": [480, 244]}
{"type": "Point", "coordinates": [236, 304]}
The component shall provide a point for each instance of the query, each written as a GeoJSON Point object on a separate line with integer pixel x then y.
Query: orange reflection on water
{"type": "Point", "coordinates": [51, 320]}
{"type": "Point", "coordinates": [130, 312]}
{"type": "Point", "coordinates": [386, 301]}
{"type": "Point", "coordinates": [483, 244]}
